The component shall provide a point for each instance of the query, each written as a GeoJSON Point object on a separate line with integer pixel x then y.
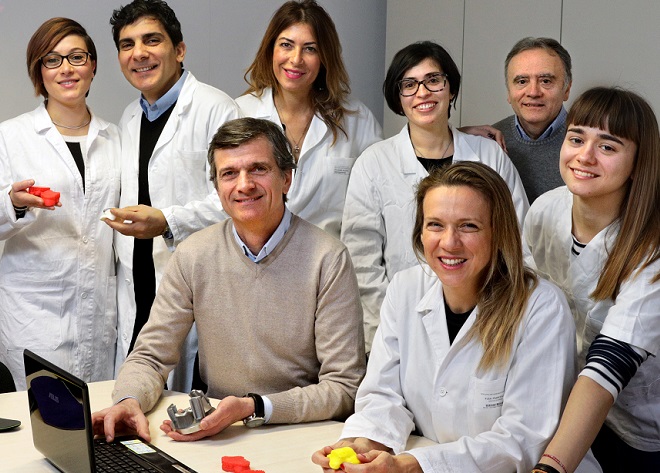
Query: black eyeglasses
{"type": "Point", "coordinates": [433, 83]}
{"type": "Point", "coordinates": [53, 60]}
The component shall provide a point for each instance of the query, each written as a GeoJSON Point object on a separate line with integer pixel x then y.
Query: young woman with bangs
{"type": "Point", "coordinates": [598, 238]}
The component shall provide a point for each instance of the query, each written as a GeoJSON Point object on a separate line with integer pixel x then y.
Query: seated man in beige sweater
{"type": "Point", "coordinates": [275, 300]}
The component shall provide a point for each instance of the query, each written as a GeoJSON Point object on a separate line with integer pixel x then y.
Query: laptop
{"type": "Point", "coordinates": [62, 428]}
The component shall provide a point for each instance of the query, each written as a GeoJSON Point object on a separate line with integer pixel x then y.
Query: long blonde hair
{"type": "Point", "coordinates": [507, 284]}
{"type": "Point", "coordinates": [332, 87]}
{"type": "Point", "coordinates": [627, 115]}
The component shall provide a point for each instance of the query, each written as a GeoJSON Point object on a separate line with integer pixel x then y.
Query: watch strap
{"type": "Point", "coordinates": [259, 410]}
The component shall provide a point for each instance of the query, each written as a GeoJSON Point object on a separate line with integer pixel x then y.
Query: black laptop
{"type": "Point", "coordinates": [62, 428]}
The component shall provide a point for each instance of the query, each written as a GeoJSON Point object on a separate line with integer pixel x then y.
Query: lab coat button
{"type": "Point", "coordinates": [85, 239]}
{"type": "Point", "coordinates": [84, 295]}
{"type": "Point", "coordinates": [442, 392]}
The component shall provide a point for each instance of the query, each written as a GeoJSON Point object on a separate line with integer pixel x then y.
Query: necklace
{"type": "Point", "coordinates": [296, 143]}
{"type": "Point", "coordinates": [76, 127]}
{"type": "Point", "coordinates": [451, 140]}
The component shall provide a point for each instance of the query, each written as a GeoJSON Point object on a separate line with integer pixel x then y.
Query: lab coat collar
{"type": "Point", "coordinates": [431, 309]}
{"type": "Point", "coordinates": [408, 158]}
{"type": "Point", "coordinates": [434, 299]}
{"type": "Point", "coordinates": [315, 134]}
{"type": "Point", "coordinates": [43, 123]}
{"type": "Point", "coordinates": [430, 299]}
{"type": "Point", "coordinates": [317, 129]}
{"type": "Point", "coordinates": [181, 107]}
{"type": "Point", "coordinates": [266, 107]}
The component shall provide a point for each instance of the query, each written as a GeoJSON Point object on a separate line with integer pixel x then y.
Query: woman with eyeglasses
{"type": "Point", "coordinates": [298, 81]}
{"type": "Point", "coordinates": [474, 351]}
{"type": "Point", "coordinates": [57, 276]}
{"type": "Point", "coordinates": [422, 83]}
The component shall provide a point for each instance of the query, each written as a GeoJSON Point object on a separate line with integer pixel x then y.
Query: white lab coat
{"type": "Point", "coordinates": [634, 317]}
{"type": "Point", "coordinates": [380, 210]}
{"type": "Point", "coordinates": [500, 420]}
{"type": "Point", "coordinates": [179, 186]}
{"type": "Point", "coordinates": [318, 190]}
{"type": "Point", "coordinates": [57, 271]}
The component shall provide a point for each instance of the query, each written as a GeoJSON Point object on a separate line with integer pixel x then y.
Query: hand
{"type": "Point", "coordinates": [360, 445]}
{"type": "Point", "coordinates": [231, 409]}
{"type": "Point", "coordinates": [377, 461]}
{"type": "Point", "coordinates": [20, 197]}
{"type": "Point", "coordinates": [139, 221]}
{"type": "Point", "coordinates": [486, 131]}
{"type": "Point", "coordinates": [125, 416]}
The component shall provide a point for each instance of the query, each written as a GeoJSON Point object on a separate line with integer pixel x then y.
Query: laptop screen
{"type": "Point", "coordinates": [59, 407]}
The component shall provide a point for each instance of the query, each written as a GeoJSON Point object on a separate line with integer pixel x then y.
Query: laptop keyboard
{"type": "Point", "coordinates": [113, 458]}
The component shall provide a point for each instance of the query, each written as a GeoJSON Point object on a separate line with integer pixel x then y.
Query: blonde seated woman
{"type": "Point", "coordinates": [473, 350]}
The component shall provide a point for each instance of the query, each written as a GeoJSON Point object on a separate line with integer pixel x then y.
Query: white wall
{"type": "Point", "coordinates": [610, 42]}
{"type": "Point", "coordinates": [221, 37]}
{"type": "Point", "coordinates": [419, 20]}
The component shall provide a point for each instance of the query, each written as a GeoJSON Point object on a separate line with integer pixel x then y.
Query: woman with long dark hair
{"type": "Point", "coordinates": [298, 80]}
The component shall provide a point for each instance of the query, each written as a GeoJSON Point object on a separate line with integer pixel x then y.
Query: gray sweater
{"type": "Point", "coordinates": [537, 162]}
{"type": "Point", "coordinates": [289, 327]}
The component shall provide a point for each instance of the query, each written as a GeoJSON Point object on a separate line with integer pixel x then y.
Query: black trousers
{"type": "Point", "coordinates": [616, 456]}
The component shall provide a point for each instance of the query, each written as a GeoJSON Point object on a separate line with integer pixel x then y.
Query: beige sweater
{"type": "Point", "coordinates": [289, 327]}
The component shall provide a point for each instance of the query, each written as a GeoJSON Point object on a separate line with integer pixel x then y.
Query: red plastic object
{"type": "Point", "coordinates": [235, 464]}
{"type": "Point", "coordinates": [50, 198]}
{"type": "Point", "coordinates": [37, 190]}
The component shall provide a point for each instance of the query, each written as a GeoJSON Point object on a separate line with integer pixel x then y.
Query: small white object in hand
{"type": "Point", "coordinates": [107, 214]}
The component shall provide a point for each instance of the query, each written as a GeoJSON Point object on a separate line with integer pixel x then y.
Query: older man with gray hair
{"type": "Point", "coordinates": [538, 81]}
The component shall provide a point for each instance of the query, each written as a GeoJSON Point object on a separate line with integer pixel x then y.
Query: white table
{"type": "Point", "coordinates": [272, 448]}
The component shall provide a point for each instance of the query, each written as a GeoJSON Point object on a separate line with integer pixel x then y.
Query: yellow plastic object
{"type": "Point", "coordinates": [342, 455]}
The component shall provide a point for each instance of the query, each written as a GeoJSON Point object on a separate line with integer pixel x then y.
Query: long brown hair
{"type": "Point", "coordinates": [332, 86]}
{"type": "Point", "coordinates": [507, 284]}
{"type": "Point", "coordinates": [627, 115]}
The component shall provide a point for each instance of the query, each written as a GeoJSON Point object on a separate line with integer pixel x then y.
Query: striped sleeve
{"type": "Point", "coordinates": [612, 363]}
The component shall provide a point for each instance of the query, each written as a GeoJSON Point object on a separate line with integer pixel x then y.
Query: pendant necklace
{"type": "Point", "coordinates": [295, 144]}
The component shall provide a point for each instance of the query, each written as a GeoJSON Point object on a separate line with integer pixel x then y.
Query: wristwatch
{"type": "Point", "coordinates": [259, 416]}
{"type": "Point", "coordinates": [167, 233]}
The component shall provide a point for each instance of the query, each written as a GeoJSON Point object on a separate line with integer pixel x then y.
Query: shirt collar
{"type": "Point", "coordinates": [558, 122]}
{"type": "Point", "coordinates": [163, 104]}
{"type": "Point", "coordinates": [272, 242]}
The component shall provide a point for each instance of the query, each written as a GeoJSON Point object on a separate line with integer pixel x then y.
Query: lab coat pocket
{"type": "Point", "coordinates": [31, 313]}
{"type": "Point", "coordinates": [485, 403]}
{"type": "Point", "coordinates": [191, 179]}
{"type": "Point", "coordinates": [335, 182]}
